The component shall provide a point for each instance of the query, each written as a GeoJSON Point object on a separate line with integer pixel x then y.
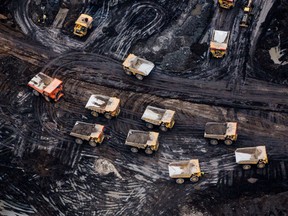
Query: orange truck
{"type": "Point", "coordinates": [50, 88]}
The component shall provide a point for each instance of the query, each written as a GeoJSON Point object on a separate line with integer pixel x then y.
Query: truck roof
{"type": "Point", "coordinates": [140, 64]}
{"type": "Point", "coordinates": [250, 154]}
{"type": "Point", "coordinates": [219, 39]}
{"type": "Point", "coordinates": [142, 137]}
{"type": "Point", "coordinates": [102, 102]}
{"type": "Point", "coordinates": [158, 114]}
{"type": "Point", "coordinates": [87, 129]}
{"type": "Point", "coordinates": [84, 20]}
{"type": "Point", "coordinates": [44, 82]}
{"type": "Point", "coordinates": [183, 168]}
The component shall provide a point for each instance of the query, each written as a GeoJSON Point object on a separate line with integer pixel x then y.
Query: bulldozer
{"type": "Point", "coordinates": [246, 19]}
{"type": "Point", "coordinates": [219, 43]}
{"type": "Point", "coordinates": [50, 88]}
{"type": "Point", "coordinates": [227, 4]}
{"type": "Point", "coordinates": [137, 66]}
{"type": "Point", "coordinates": [82, 24]}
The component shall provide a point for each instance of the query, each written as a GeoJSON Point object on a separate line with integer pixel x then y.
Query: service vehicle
{"type": "Point", "coordinates": [50, 88]}
{"type": "Point", "coordinates": [227, 4]}
{"type": "Point", "coordinates": [102, 104]}
{"type": "Point", "coordinates": [146, 140]}
{"type": "Point", "coordinates": [137, 66]}
{"type": "Point", "coordinates": [93, 133]}
{"type": "Point", "coordinates": [246, 19]}
{"type": "Point", "coordinates": [251, 156]}
{"type": "Point", "coordinates": [218, 131]}
{"type": "Point", "coordinates": [219, 43]}
{"type": "Point", "coordinates": [160, 117]}
{"type": "Point", "coordinates": [82, 24]}
{"type": "Point", "coordinates": [186, 169]}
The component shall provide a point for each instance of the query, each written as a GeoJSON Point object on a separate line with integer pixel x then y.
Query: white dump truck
{"type": "Point", "coordinates": [251, 156]}
{"type": "Point", "coordinates": [93, 133]}
{"type": "Point", "coordinates": [186, 169]}
{"type": "Point", "coordinates": [160, 117]}
{"type": "Point", "coordinates": [146, 140]}
{"type": "Point", "coordinates": [216, 131]}
{"type": "Point", "coordinates": [137, 66]}
{"type": "Point", "coordinates": [109, 106]}
{"type": "Point", "coordinates": [219, 43]}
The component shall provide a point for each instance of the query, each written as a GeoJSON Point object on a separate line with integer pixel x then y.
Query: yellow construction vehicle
{"type": "Point", "coordinates": [245, 21]}
{"type": "Point", "coordinates": [227, 4]}
{"type": "Point", "coordinates": [219, 43]}
{"type": "Point", "coordinates": [83, 23]}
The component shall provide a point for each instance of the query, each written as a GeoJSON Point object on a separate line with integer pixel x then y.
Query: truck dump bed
{"type": "Point", "coordinates": [219, 40]}
{"type": "Point", "coordinates": [40, 81]}
{"type": "Point", "coordinates": [250, 155]}
{"type": "Point", "coordinates": [216, 128]}
{"type": "Point", "coordinates": [86, 131]}
{"type": "Point", "coordinates": [102, 103]}
{"type": "Point", "coordinates": [157, 116]}
{"type": "Point", "coordinates": [142, 65]}
{"type": "Point", "coordinates": [84, 20]}
{"type": "Point", "coordinates": [141, 138]}
{"type": "Point", "coordinates": [184, 169]}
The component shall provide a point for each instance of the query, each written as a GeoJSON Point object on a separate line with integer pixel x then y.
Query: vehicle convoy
{"type": "Point", "coordinates": [251, 156]}
{"type": "Point", "coordinates": [137, 66]}
{"type": "Point", "coordinates": [146, 140]}
{"type": "Point", "coordinates": [246, 19]}
{"type": "Point", "coordinates": [219, 43]}
{"type": "Point", "coordinates": [187, 169]}
{"type": "Point", "coordinates": [82, 24]}
{"type": "Point", "coordinates": [109, 106]}
{"type": "Point", "coordinates": [160, 117]}
{"type": "Point", "coordinates": [93, 133]}
{"type": "Point", "coordinates": [50, 88]}
{"type": "Point", "coordinates": [216, 131]}
{"type": "Point", "coordinates": [227, 4]}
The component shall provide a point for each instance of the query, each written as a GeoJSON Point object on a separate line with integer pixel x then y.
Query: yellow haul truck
{"type": "Point", "coordinates": [227, 4]}
{"type": "Point", "coordinates": [219, 43]}
{"type": "Point", "coordinates": [83, 23]}
{"type": "Point", "coordinates": [188, 169]}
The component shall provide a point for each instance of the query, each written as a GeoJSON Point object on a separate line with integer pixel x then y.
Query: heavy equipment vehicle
{"type": "Point", "coordinates": [160, 117]}
{"type": "Point", "coordinates": [216, 131]}
{"type": "Point", "coordinates": [137, 66]}
{"type": "Point", "coordinates": [146, 140]}
{"type": "Point", "coordinates": [219, 43]}
{"type": "Point", "coordinates": [246, 19]}
{"type": "Point", "coordinates": [227, 4]}
{"type": "Point", "coordinates": [82, 24]}
{"type": "Point", "coordinates": [186, 169]}
{"type": "Point", "coordinates": [109, 106]}
{"type": "Point", "coordinates": [50, 88]}
{"type": "Point", "coordinates": [251, 156]}
{"type": "Point", "coordinates": [93, 133]}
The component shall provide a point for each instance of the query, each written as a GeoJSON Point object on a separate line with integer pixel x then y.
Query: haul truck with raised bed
{"type": "Point", "coordinates": [187, 169]}
{"type": "Point", "coordinates": [146, 140]}
{"type": "Point", "coordinates": [219, 43]}
{"type": "Point", "coordinates": [246, 19]}
{"type": "Point", "coordinates": [93, 133]}
{"type": "Point", "coordinates": [137, 66]}
{"type": "Point", "coordinates": [82, 24]}
{"type": "Point", "coordinates": [217, 131]}
{"type": "Point", "coordinates": [102, 104]}
{"type": "Point", "coordinates": [251, 156]}
{"type": "Point", "coordinates": [50, 88]}
{"type": "Point", "coordinates": [227, 4]}
{"type": "Point", "coordinates": [160, 117]}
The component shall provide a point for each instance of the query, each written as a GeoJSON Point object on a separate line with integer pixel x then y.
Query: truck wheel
{"type": "Point", "coordinates": [148, 151]}
{"type": "Point", "coordinates": [194, 179]}
{"type": "Point", "coordinates": [47, 98]}
{"type": "Point", "coordinates": [139, 77]}
{"type": "Point", "coordinates": [163, 128]}
{"type": "Point", "coordinates": [107, 115]}
{"type": "Point", "coordinates": [79, 141]}
{"type": "Point", "coordinates": [129, 73]}
{"type": "Point", "coordinates": [180, 181]}
{"type": "Point", "coordinates": [213, 142]}
{"type": "Point", "coordinates": [36, 93]}
{"type": "Point", "coordinates": [92, 143]}
{"type": "Point", "coordinates": [134, 150]}
{"type": "Point", "coordinates": [246, 166]}
{"type": "Point", "coordinates": [94, 113]}
{"type": "Point", "coordinates": [149, 125]}
{"type": "Point", "coordinates": [261, 165]}
{"type": "Point", "coordinates": [228, 142]}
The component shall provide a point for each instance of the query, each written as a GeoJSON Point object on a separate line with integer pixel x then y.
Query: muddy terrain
{"type": "Point", "coordinates": [44, 172]}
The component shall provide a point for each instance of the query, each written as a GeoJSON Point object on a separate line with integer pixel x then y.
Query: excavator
{"type": "Point", "coordinates": [227, 4]}
{"type": "Point", "coordinates": [247, 14]}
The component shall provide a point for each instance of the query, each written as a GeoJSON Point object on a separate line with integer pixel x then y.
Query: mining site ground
{"type": "Point", "coordinates": [44, 172]}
